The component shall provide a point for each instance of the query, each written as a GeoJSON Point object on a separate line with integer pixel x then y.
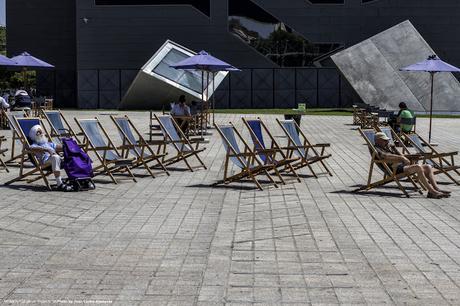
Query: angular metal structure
{"type": "Point", "coordinates": [157, 84]}
{"type": "Point", "coordinates": [372, 68]}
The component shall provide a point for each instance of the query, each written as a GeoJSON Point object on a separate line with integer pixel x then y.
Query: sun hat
{"type": "Point", "coordinates": [381, 135]}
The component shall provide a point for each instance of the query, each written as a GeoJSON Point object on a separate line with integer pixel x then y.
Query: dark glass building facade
{"type": "Point", "coordinates": [98, 46]}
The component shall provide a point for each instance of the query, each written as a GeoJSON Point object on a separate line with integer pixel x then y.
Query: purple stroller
{"type": "Point", "coordinates": [77, 165]}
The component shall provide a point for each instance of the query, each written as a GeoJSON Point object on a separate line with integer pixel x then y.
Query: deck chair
{"type": "Point", "coordinates": [135, 144]}
{"type": "Point", "coordinates": [307, 151]}
{"type": "Point", "coordinates": [442, 162]}
{"type": "Point", "coordinates": [2, 153]}
{"type": "Point", "coordinates": [60, 127]}
{"type": "Point", "coordinates": [271, 154]}
{"type": "Point", "coordinates": [38, 171]}
{"type": "Point", "coordinates": [99, 142]}
{"type": "Point", "coordinates": [357, 114]}
{"type": "Point", "coordinates": [15, 141]}
{"type": "Point", "coordinates": [395, 139]}
{"type": "Point", "coordinates": [174, 136]}
{"type": "Point", "coordinates": [389, 174]}
{"type": "Point", "coordinates": [247, 160]}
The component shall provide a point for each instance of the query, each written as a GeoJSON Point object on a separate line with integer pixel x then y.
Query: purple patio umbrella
{"type": "Point", "coordinates": [432, 65]}
{"type": "Point", "coordinates": [27, 61]}
{"type": "Point", "coordinates": [6, 62]}
{"type": "Point", "coordinates": [206, 63]}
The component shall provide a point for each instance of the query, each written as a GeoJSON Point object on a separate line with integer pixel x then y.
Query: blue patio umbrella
{"type": "Point", "coordinates": [6, 62]}
{"type": "Point", "coordinates": [205, 63]}
{"type": "Point", "coordinates": [27, 61]}
{"type": "Point", "coordinates": [432, 65]}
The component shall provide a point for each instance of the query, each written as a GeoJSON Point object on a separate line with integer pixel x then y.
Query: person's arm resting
{"type": "Point", "coordinates": [394, 158]}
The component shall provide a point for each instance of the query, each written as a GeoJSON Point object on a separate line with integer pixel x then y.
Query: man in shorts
{"type": "Point", "coordinates": [402, 164]}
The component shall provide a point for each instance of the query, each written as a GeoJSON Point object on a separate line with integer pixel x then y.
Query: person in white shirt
{"type": "Point", "coordinates": [180, 108]}
{"type": "Point", "coordinates": [46, 153]}
{"type": "Point", "coordinates": [3, 103]}
{"type": "Point", "coordinates": [179, 111]}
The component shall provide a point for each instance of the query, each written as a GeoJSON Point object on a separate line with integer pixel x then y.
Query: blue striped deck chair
{"type": "Point", "coordinates": [38, 171]}
{"type": "Point", "coordinates": [389, 174]}
{"type": "Point", "coordinates": [15, 134]}
{"type": "Point", "coordinates": [299, 145]}
{"type": "Point", "coordinates": [99, 142]}
{"type": "Point", "coordinates": [174, 136]}
{"type": "Point", "coordinates": [2, 154]}
{"type": "Point", "coordinates": [247, 161]}
{"type": "Point", "coordinates": [270, 153]}
{"type": "Point", "coordinates": [135, 144]}
{"type": "Point", "coordinates": [60, 127]}
{"type": "Point", "coordinates": [442, 162]}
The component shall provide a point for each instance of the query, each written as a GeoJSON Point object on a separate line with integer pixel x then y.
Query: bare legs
{"type": "Point", "coordinates": [426, 178]}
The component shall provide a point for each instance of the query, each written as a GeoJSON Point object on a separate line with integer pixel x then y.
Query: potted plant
{"type": "Point", "coordinates": [296, 113]}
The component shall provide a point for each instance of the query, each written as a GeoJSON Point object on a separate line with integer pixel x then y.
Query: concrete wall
{"type": "Point", "coordinates": [125, 37]}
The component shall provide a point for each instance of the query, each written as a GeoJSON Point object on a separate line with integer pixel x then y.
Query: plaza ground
{"type": "Point", "coordinates": [179, 240]}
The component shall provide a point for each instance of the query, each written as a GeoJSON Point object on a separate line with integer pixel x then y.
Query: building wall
{"type": "Point", "coordinates": [46, 29]}
{"type": "Point", "coordinates": [116, 41]}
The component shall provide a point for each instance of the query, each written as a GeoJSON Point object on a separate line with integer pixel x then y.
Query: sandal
{"type": "Point", "coordinates": [444, 191]}
{"type": "Point", "coordinates": [64, 187]}
{"type": "Point", "coordinates": [435, 196]}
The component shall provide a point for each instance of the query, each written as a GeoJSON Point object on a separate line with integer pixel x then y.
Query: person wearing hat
{"type": "Point", "coordinates": [402, 164]}
{"type": "Point", "coordinates": [46, 153]}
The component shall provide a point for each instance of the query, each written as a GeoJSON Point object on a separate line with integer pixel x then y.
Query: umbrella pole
{"type": "Point", "coordinates": [431, 105]}
{"type": "Point", "coordinates": [207, 100]}
{"type": "Point", "coordinates": [24, 75]}
{"type": "Point", "coordinates": [213, 99]}
{"type": "Point", "coordinates": [202, 102]}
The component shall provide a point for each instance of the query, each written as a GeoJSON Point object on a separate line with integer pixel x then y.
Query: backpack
{"type": "Point", "coordinates": [77, 165]}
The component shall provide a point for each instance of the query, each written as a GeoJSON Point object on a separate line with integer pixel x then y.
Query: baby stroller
{"type": "Point", "coordinates": [77, 165]}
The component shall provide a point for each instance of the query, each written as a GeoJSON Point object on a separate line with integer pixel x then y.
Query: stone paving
{"type": "Point", "coordinates": [179, 241]}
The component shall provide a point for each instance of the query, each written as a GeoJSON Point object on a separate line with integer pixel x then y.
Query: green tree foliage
{"type": "Point", "coordinates": [12, 79]}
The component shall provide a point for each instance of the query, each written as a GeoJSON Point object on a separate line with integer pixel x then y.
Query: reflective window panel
{"type": "Point", "coordinates": [271, 37]}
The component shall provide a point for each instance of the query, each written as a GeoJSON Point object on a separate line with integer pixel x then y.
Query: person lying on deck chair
{"type": "Point", "coordinates": [46, 153]}
{"type": "Point", "coordinates": [403, 165]}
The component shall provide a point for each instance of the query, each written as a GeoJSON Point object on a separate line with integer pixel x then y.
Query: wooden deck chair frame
{"type": "Point", "coordinates": [133, 147]}
{"type": "Point", "coordinates": [15, 134]}
{"type": "Point", "coordinates": [307, 145]}
{"type": "Point", "coordinates": [285, 163]}
{"type": "Point", "coordinates": [41, 171]}
{"type": "Point", "coordinates": [248, 158]}
{"type": "Point", "coordinates": [442, 162]}
{"type": "Point", "coordinates": [389, 175]}
{"type": "Point", "coordinates": [108, 167]}
{"type": "Point", "coordinates": [181, 155]}
{"type": "Point", "coordinates": [394, 137]}
{"type": "Point", "coordinates": [357, 115]}
{"type": "Point", "coordinates": [69, 132]}
{"type": "Point", "coordinates": [2, 153]}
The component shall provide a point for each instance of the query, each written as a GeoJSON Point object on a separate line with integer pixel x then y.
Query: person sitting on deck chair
{"type": "Point", "coordinates": [403, 165]}
{"type": "Point", "coordinates": [180, 109]}
{"type": "Point", "coordinates": [46, 153]}
{"type": "Point", "coordinates": [403, 116]}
